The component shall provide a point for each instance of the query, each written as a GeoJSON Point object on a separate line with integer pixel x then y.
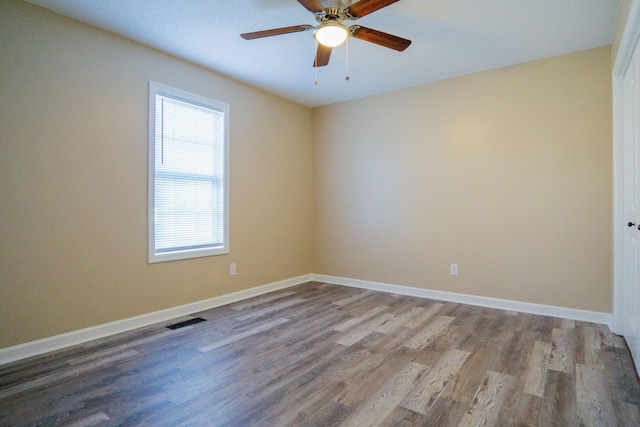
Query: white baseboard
{"type": "Point", "coordinates": [34, 348]}
{"type": "Point", "coordinates": [45, 345]}
{"type": "Point", "coordinates": [503, 304]}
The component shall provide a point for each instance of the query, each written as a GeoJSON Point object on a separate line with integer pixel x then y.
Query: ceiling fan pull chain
{"type": "Point", "coordinates": [347, 49]}
{"type": "Point", "coordinates": [316, 62]}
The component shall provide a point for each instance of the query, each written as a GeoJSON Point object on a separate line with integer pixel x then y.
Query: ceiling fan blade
{"type": "Point", "coordinates": [275, 32]}
{"type": "Point", "coordinates": [312, 6]}
{"type": "Point", "coordinates": [379, 38]}
{"type": "Point", "coordinates": [365, 7]}
{"type": "Point", "coordinates": [322, 56]}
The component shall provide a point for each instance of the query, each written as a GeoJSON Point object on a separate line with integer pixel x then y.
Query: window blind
{"type": "Point", "coordinates": [189, 177]}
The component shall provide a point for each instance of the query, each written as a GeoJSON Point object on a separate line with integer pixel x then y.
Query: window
{"type": "Point", "coordinates": [188, 175]}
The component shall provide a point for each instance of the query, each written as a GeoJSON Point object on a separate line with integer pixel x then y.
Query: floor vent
{"type": "Point", "coordinates": [186, 323]}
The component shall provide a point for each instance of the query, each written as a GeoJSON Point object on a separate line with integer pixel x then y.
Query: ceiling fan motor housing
{"type": "Point", "coordinates": [332, 14]}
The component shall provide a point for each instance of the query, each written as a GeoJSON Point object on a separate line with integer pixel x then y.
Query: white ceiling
{"type": "Point", "coordinates": [450, 38]}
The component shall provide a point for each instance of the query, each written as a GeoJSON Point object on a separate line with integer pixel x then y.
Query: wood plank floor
{"type": "Point", "coordinates": [325, 355]}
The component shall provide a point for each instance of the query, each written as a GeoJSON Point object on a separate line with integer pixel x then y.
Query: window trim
{"type": "Point", "coordinates": [160, 89]}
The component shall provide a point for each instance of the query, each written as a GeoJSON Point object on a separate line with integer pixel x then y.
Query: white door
{"type": "Point", "coordinates": [631, 202]}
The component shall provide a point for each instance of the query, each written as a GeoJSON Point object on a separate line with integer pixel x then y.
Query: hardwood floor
{"type": "Point", "coordinates": [324, 355]}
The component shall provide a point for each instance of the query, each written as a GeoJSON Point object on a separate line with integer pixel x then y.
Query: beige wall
{"type": "Point", "coordinates": [505, 172]}
{"type": "Point", "coordinates": [73, 180]}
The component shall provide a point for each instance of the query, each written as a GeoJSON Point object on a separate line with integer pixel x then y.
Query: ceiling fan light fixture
{"type": "Point", "coordinates": [331, 34]}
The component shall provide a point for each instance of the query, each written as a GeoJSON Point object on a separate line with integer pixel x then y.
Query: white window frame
{"type": "Point", "coordinates": [163, 90]}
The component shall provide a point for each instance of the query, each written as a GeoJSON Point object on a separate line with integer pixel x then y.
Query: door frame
{"type": "Point", "coordinates": [630, 39]}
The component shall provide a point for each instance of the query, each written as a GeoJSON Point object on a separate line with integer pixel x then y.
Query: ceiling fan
{"type": "Point", "coordinates": [331, 31]}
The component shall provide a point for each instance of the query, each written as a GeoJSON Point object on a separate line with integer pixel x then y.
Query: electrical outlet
{"type": "Point", "coordinates": [232, 269]}
{"type": "Point", "coordinates": [453, 269]}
